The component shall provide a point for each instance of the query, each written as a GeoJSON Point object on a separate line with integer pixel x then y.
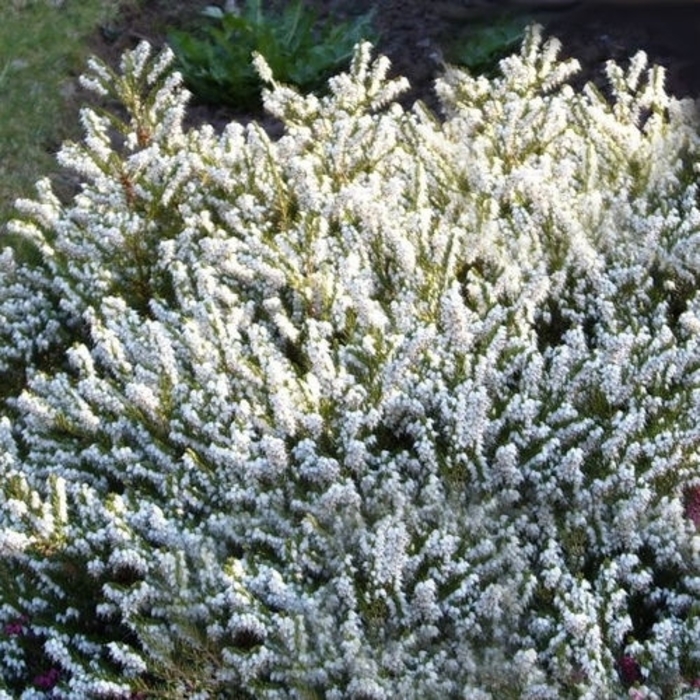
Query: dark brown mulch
{"type": "Point", "coordinates": [668, 32]}
{"type": "Point", "coordinates": [413, 31]}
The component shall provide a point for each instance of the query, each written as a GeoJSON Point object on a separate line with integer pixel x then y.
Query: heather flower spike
{"type": "Point", "coordinates": [378, 408]}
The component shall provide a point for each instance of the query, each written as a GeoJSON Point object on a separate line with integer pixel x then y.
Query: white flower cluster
{"type": "Point", "coordinates": [391, 406]}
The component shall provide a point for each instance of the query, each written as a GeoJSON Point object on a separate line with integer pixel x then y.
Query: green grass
{"type": "Point", "coordinates": [42, 49]}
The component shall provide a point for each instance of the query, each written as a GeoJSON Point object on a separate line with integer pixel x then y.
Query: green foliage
{"type": "Point", "coordinates": [216, 57]}
{"type": "Point", "coordinates": [486, 42]}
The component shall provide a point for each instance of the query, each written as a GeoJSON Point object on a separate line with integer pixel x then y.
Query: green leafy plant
{"type": "Point", "coordinates": [215, 58]}
{"type": "Point", "coordinates": [484, 43]}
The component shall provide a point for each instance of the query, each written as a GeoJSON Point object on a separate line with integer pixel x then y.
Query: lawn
{"type": "Point", "coordinates": [43, 48]}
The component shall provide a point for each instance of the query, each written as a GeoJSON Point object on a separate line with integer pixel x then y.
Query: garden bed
{"type": "Point", "coordinates": [391, 405]}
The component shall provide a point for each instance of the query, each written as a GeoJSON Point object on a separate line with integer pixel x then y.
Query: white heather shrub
{"type": "Point", "coordinates": [393, 406]}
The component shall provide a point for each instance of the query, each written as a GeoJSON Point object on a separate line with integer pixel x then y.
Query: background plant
{"type": "Point", "coordinates": [216, 57]}
{"type": "Point", "coordinates": [383, 407]}
{"type": "Point", "coordinates": [483, 43]}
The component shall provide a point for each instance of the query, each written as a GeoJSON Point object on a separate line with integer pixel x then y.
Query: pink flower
{"type": "Point", "coordinates": [16, 627]}
{"type": "Point", "coordinates": [630, 671]}
{"type": "Point", "coordinates": [692, 504]}
{"type": "Point", "coordinates": [47, 680]}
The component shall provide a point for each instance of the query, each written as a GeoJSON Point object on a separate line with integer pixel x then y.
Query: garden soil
{"type": "Point", "coordinates": [414, 32]}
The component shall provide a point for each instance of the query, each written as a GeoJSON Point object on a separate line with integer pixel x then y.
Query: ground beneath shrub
{"type": "Point", "coordinates": [413, 33]}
